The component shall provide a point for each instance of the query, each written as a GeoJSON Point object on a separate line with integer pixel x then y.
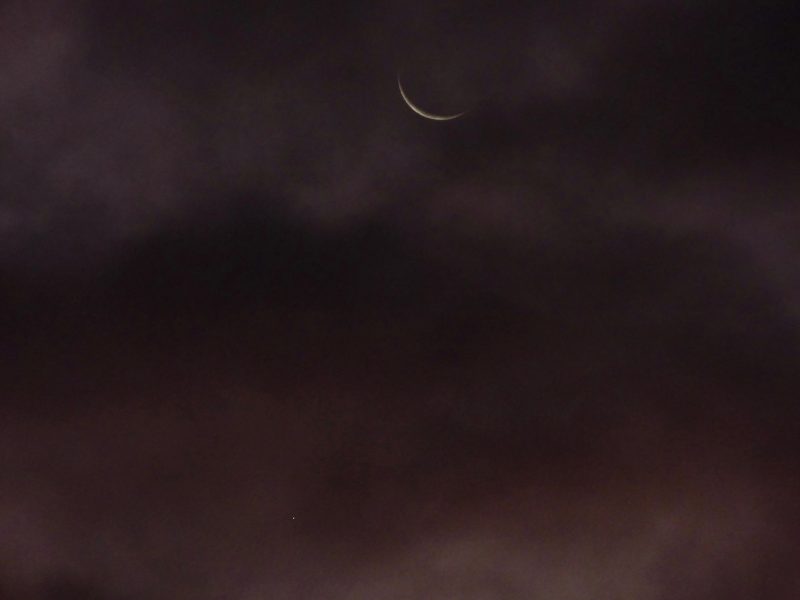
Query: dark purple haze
{"type": "Point", "coordinates": [267, 334]}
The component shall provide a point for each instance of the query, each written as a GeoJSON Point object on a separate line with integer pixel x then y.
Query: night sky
{"type": "Point", "coordinates": [266, 333]}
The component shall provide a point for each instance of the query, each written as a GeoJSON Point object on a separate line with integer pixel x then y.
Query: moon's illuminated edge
{"type": "Point", "coordinates": [423, 113]}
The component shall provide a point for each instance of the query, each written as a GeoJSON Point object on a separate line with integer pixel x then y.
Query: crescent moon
{"type": "Point", "coordinates": [423, 113]}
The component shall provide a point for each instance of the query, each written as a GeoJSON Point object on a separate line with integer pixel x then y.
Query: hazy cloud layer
{"type": "Point", "coordinates": [264, 333]}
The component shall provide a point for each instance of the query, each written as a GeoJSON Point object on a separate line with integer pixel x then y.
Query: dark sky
{"type": "Point", "coordinates": [267, 334]}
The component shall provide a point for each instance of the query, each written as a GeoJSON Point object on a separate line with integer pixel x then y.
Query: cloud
{"type": "Point", "coordinates": [268, 334]}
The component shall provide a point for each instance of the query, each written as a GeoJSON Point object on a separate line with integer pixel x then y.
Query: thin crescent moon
{"type": "Point", "coordinates": [423, 113]}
